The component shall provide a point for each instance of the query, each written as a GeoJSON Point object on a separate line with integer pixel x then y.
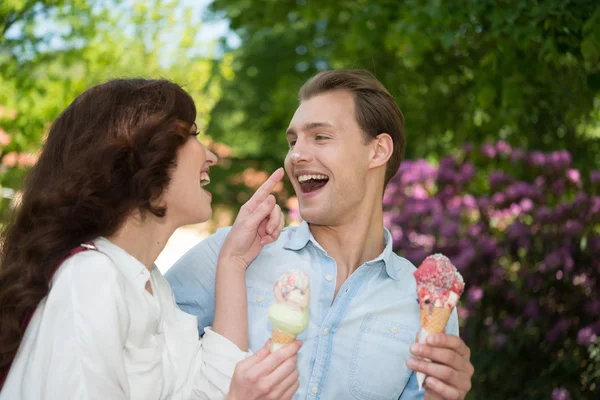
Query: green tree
{"type": "Point", "coordinates": [50, 51]}
{"type": "Point", "coordinates": [462, 71]}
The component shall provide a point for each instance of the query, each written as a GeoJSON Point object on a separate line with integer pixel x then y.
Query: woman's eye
{"type": "Point", "coordinates": [321, 137]}
{"type": "Point", "coordinates": [302, 292]}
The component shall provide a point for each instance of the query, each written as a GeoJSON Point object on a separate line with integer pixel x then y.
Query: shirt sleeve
{"type": "Point", "coordinates": [192, 279]}
{"type": "Point", "coordinates": [83, 331]}
{"type": "Point", "coordinates": [212, 367]}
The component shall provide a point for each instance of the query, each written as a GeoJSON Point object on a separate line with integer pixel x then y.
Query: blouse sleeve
{"type": "Point", "coordinates": [212, 367]}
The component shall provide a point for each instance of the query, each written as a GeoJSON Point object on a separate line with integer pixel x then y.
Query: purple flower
{"type": "Point", "coordinates": [558, 187]}
{"type": "Point", "coordinates": [415, 172]}
{"type": "Point", "coordinates": [477, 229]}
{"type": "Point", "coordinates": [503, 147]}
{"type": "Point", "coordinates": [526, 205]}
{"type": "Point", "coordinates": [558, 330]}
{"type": "Point", "coordinates": [561, 394]}
{"type": "Point", "coordinates": [595, 177]}
{"type": "Point", "coordinates": [537, 159]}
{"type": "Point", "coordinates": [517, 230]}
{"type": "Point", "coordinates": [592, 307]}
{"type": "Point", "coordinates": [500, 340]}
{"type": "Point", "coordinates": [449, 229]}
{"type": "Point", "coordinates": [553, 260]}
{"type": "Point", "coordinates": [540, 181]}
{"type": "Point", "coordinates": [585, 336]}
{"type": "Point", "coordinates": [499, 199]}
{"type": "Point", "coordinates": [488, 246]}
{"type": "Point", "coordinates": [466, 173]}
{"type": "Point", "coordinates": [475, 294]}
{"type": "Point", "coordinates": [532, 310]}
{"type": "Point", "coordinates": [517, 155]}
{"type": "Point", "coordinates": [573, 227]}
{"type": "Point", "coordinates": [483, 202]}
{"type": "Point", "coordinates": [573, 176]}
{"type": "Point", "coordinates": [498, 178]}
{"type": "Point", "coordinates": [594, 209]}
{"type": "Point", "coordinates": [580, 201]}
{"type": "Point", "coordinates": [448, 162]}
{"type": "Point", "coordinates": [488, 151]}
{"type": "Point", "coordinates": [416, 255]}
{"type": "Point", "coordinates": [542, 214]}
{"type": "Point", "coordinates": [397, 236]}
{"type": "Point", "coordinates": [469, 202]}
{"type": "Point", "coordinates": [509, 323]}
{"type": "Point", "coordinates": [464, 258]}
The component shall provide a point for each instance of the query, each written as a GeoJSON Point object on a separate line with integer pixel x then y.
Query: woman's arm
{"type": "Point", "coordinates": [259, 222]}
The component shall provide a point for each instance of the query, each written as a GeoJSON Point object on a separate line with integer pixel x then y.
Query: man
{"type": "Point", "coordinates": [346, 142]}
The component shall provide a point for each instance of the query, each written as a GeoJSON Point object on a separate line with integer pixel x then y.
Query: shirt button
{"type": "Point", "coordinates": [326, 332]}
{"type": "Point", "coordinates": [329, 278]}
{"type": "Point", "coordinates": [315, 390]}
{"type": "Point", "coordinates": [394, 329]}
{"type": "Point", "coordinates": [259, 298]}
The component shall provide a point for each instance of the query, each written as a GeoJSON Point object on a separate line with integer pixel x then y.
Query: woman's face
{"type": "Point", "coordinates": [186, 200]}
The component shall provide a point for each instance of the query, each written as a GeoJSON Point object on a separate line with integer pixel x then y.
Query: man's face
{"type": "Point", "coordinates": [328, 160]}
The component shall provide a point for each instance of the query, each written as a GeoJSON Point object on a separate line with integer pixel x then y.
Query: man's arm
{"type": "Point", "coordinates": [192, 279]}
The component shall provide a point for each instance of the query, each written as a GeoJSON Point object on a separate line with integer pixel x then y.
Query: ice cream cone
{"type": "Point", "coordinates": [433, 320]}
{"type": "Point", "coordinates": [280, 339]}
{"type": "Point", "coordinates": [289, 312]}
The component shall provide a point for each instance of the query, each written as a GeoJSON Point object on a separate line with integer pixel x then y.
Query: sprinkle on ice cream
{"type": "Point", "coordinates": [439, 284]}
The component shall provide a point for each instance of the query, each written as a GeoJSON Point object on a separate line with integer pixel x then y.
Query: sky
{"type": "Point", "coordinates": [208, 31]}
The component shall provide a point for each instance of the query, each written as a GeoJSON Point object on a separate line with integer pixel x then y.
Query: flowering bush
{"type": "Point", "coordinates": [523, 229]}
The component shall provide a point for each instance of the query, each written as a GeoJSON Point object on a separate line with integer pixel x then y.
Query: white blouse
{"type": "Point", "coordinates": [100, 335]}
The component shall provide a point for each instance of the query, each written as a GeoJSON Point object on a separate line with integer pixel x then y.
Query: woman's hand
{"type": "Point", "coordinates": [258, 223]}
{"type": "Point", "coordinates": [266, 376]}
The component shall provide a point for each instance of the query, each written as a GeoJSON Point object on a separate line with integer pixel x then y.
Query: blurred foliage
{"type": "Point", "coordinates": [527, 72]}
{"type": "Point", "coordinates": [524, 231]}
{"type": "Point", "coordinates": [50, 51]}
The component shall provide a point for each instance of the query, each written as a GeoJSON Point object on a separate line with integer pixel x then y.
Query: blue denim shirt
{"type": "Point", "coordinates": [356, 344]}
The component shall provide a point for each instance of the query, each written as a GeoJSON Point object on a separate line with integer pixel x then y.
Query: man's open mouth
{"type": "Point", "coordinates": [312, 182]}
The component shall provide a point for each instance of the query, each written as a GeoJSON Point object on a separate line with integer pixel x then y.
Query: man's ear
{"type": "Point", "coordinates": [382, 149]}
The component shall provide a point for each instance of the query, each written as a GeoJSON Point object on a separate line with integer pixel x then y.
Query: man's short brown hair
{"type": "Point", "coordinates": [375, 108]}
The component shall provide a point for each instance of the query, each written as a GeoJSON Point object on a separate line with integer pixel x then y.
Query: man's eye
{"type": "Point", "coordinates": [321, 137]}
{"type": "Point", "coordinates": [292, 143]}
{"type": "Point", "coordinates": [302, 292]}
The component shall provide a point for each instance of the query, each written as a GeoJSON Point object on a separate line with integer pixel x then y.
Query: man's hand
{"type": "Point", "coordinates": [450, 370]}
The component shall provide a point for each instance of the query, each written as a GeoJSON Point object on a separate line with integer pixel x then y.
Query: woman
{"type": "Point", "coordinates": [84, 313]}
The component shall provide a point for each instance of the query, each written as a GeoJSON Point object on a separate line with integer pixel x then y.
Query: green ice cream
{"type": "Point", "coordinates": [287, 320]}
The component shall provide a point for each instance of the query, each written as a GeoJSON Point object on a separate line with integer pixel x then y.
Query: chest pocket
{"type": "Point", "coordinates": [259, 302]}
{"type": "Point", "coordinates": [378, 369]}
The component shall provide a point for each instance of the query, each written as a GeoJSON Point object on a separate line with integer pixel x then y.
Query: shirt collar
{"type": "Point", "coordinates": [131, 267]}
{"type": "Point", "coordinates": [301, 235]}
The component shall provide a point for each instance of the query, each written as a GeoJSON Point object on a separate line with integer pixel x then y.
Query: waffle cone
{"type": "Point", "coordinates": [280, 339]}
{"type": "Point", "coordinates": [436, 321]}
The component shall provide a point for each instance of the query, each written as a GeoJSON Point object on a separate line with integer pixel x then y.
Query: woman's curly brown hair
{"type": "Point", "coordinates": [108, 154]}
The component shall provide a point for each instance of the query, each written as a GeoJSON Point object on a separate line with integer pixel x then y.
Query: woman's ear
{"type": "Point", "coordinates": [383, 147]}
